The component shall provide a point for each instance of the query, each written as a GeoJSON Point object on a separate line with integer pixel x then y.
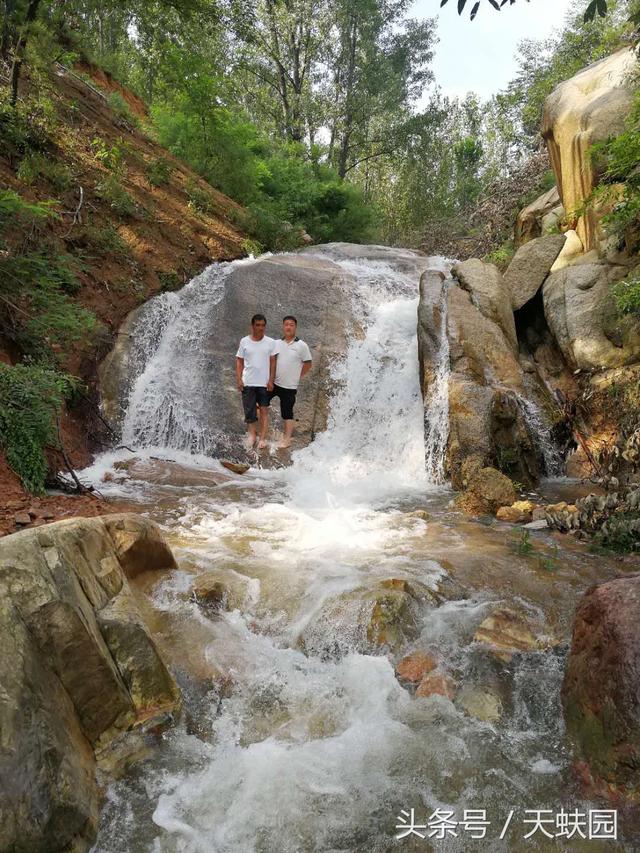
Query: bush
{"type": "Point", "coordinates": [36, 165]}
{"type": "Point", "coordinates": [159, 172]}
{"type": "Point", "coordinates": [29, 126]}
{"type": "Point", "coordinates": [110, 189]}
{"type": "Point", "coordinates": [627, 296]}
{"type": "Point", "coordinates": [98, 240]}
{"type": "Point", "coordinates": [199, 199]}
{"type": "Point", "coordinates": [30, 402]}
{"type": "Point", "coordinates": [122, 108]}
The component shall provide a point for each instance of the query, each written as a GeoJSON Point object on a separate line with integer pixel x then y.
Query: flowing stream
{"type": "Point", "coordinates": [297, 735]}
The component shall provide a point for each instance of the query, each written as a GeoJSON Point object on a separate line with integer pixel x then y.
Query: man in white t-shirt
{"type": "Point", "coordinates": [293, 362]}
{"type": "Point", "coordinates": [255, 374]}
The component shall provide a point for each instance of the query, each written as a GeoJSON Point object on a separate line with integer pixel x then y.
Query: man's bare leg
{"type": "Point", "coordinates": [287, 435]}
{"type": "Point", "coordinates": [251, 435]}
{"type": "Point", "coordinates": [263, 415]}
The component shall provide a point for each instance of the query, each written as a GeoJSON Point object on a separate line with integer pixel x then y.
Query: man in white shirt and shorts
{"type": "Point", "coordinates": [255, 374]}
{"type": "Point", "coordinates": [293, 362]}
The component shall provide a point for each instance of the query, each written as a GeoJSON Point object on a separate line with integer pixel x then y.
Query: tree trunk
{"type": "Point", "coordinates": [6, 29]}
{"type": "Point", "coordinates": [348, 112]}
{"type": "Point", "coordinates": [18, 56]}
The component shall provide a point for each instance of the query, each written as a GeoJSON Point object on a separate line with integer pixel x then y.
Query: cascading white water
{"type": "Point", "coordinates": [541, 434]}
{"type": "Point", "coordinates": [316, 747]}
{"type": "Point", "coordinates": [436, 409]}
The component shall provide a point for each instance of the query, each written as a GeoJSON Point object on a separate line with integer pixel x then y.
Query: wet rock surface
{"type": "Point", "coordinates": [88, 670]}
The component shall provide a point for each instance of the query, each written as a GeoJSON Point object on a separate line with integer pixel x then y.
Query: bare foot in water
{"type": "Point", "coordinates": [249, 441]}
{"type": "Point", "coordinates": [284, 444]}
{"type": "Point", "coordinates": [262, 444]}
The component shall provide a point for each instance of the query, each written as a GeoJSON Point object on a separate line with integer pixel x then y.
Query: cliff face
{"type": "Point", "coordinates": [588, 108]}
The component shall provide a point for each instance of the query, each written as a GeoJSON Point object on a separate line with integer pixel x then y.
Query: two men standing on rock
{"type": "Point", "coordinates": [266, 368]}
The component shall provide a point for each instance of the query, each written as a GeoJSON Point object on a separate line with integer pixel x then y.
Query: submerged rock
{"type": "Point", "coordinates": [601, 690]}
{"type": "Point", "coordinates": [506, 632]}
{"type": "Point", "coordinates": [78, 669]}
{"type": "Point", "coordinates": [481, 703]}
{"type": "Point", "coordinates": [415, 666]}
{"type": "Point", "coordinates": [437, 684]}
{"type": "Point", "coordinates": [383, 617]}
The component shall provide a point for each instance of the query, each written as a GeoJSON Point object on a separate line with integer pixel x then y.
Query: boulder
{"type": "Point", "coordinates": [48, 793]}
{"type": "Point", "coordinates": [490, 292]}
{"type": "Point", "coordinates": [529, 223]}
{"type": "Point", "coordinates": [383, 617]}
{"type": "Point", "coordinates": [487, 490]}
{"type": "Point", "coordinates": [571, 251]}
{"type": "Point", "coordinates": [530, 267]}
{"type": "Point", "coordinates": [80, 666]}
{"type": "Point", "coordinates": [506, 632]}
{"type": "Point", "coordinates": [139, 544]}
{"type": "Point", "coordinates": [590, 107]}
{"type": "Point", "coordinates": [581, 313]}
{"type": "Point", "coordinates": [518, 513]}
{"type": "Point", "coordinates": [601, 690]}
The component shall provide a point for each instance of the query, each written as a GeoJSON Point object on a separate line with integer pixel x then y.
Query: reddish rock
{"type": "Point", "coordinates": [22, 518]}
{"type": "Point", "coordinates": [601, 690]}
{"type": "Point", "coordinates": [415, 666]}
{"type": "Point", "coordinates": [236, 467]}
{"type": "Point", "coordinates": [437, 684]}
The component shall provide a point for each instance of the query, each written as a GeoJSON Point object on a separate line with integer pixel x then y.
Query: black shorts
{"type": "Point", "coordinates": [287, 400]}
{"type": "Point", "coordinates": [252, 396]}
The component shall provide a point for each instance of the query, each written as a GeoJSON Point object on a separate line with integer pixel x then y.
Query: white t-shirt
{"type": "Point", "coordinates": [290, 359]}
{"type": "Point", "coordinates": [256, 355]}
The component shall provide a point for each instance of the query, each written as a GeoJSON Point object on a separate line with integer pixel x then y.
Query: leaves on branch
{"type": "Point", "coordinates": [595, 7]}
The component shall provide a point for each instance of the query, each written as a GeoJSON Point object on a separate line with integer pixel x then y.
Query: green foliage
{"type": "Point", "coordinates": [30, 401]}
{"type": "Point", "coordinates": [110, 190]}
{"type": "Point", "coordinates": [618, 160]}
{"type": "Point", "coordinates": [200, 199]}
{"type": "Point", "coordinates": [522, 542]}
{"type": "Point", "coordinates": [37, 310]}
{"type": "Point", "coordinates": [36, 165]}
{"type": "Point", "coordinates": [122, 108]}
{"type": "Point", "coordinates": [93, 240]}
{"type": "Point", "coordinates": [619, 534]}
{"type": "Point", "coordinates": [159, 171]}
{"type": "Point", "coordinates": [29, 126]}
{"type": "Point", "coordinates": [627, 296]}
{"type": "Point", "coordinates": [171, 280]}
{"type": "Point", "coordinates": [502, 256]}
{"type": "Point", "coordinates": [111, 156]}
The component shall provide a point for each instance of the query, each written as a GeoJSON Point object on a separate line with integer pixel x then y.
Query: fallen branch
{"type": "Point", "coordinates": [76, 214]}
{"type": "Point", "coordinates": [82, 489]}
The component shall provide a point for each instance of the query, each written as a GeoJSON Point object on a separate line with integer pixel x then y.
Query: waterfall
{"type": "Point", "coordinates": [436, 408]}
{"type": "Point", "coordinates": [541, 434]}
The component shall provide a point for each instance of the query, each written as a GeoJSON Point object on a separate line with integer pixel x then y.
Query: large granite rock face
{"type": "Point", "coordinates": [79, 669]}
{"type": "Point", "coordinates": [486, 386]}
{"type": "Point", "coordinates": [581, 313]}
{"type": "Point", "coordinates": [588, 108]}
{"type": "Point", "coordinates": [601, 691]}
{"type": "Point", "coordinates": [490, 292]}
{"type": "Point", "coordinates": [530, 267]}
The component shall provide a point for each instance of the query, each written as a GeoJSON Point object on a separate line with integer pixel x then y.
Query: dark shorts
{"type": "Point", "coordinates": [252, 397]}
{"type": "Point", "coordinates": [287, 399]}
